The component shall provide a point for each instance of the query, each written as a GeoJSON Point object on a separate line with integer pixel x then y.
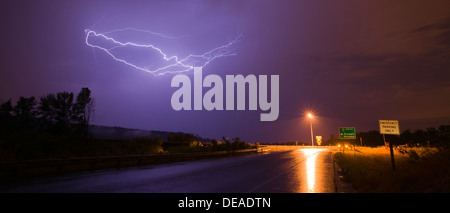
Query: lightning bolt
{"type": "Point", "coordinates": [166, 64]}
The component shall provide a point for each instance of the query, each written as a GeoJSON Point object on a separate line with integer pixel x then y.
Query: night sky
{"type": "Point", "coordinates": [350, 62]}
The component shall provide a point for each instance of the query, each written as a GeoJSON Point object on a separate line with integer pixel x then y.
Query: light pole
{"type": "Point", "coordinates": [310, 123]}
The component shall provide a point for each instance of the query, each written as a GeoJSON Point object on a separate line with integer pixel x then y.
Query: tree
{"type": "Point", "coordinates": [83, 110]}
{"type": "Point", "coordinates": [60, 113]}
{"type": "Point", "coordinates": [47, 110]}
{"type": "Point", "coordinates": [225, 139]}
{"type": "Point", "coordinates": [56, 110]}
{"type": "Point", "coordinates": [331, 141]}
{"type": "Point", "coordinates": [6, 116]}
{"type": "Point", "coordinates": [444, 135]}
{"type": "Point", "coordinates": [372, 138]}
{"type": "Point", "coordinates": [6, 108]}
{"type": "Point", "coordinates": [25, 112]}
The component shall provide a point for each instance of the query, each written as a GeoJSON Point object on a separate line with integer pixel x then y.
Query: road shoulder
{"type": "Point", "coordinates": [340, 184]}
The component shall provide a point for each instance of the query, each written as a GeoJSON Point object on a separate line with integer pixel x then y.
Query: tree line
{"type": "Point", "coordinates": [437, 137]}
{"type": "Point", "coordinates": [180, 142]}
{"type": "Point", "coordinates": [61, 114]}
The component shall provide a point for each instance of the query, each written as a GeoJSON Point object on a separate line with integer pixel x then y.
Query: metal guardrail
{"type": "Point", "coordinates": [32, 168]}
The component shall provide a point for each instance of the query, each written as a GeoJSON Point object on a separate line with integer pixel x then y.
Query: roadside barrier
{"type": "Point", "coordinates": [13, 171]}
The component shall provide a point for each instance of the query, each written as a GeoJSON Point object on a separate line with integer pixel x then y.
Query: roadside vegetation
{"type": "Point", "coordinates": [418, 169]}
{"type": "Point", "coordinates": [194, 145]}
{"type": "Point", "coordinates": [57, 126]}
{"type": "Point", "coordinates": [39, 145]}
{"type": "Point", "coordinates": [422, 161]}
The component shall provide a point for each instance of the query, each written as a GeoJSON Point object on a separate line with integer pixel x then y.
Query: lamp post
{"type": "Point", "coordinates": [310, 116]}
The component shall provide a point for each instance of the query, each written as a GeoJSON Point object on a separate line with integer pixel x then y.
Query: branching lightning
{"type": "Point", "coordinates": [169, 64]}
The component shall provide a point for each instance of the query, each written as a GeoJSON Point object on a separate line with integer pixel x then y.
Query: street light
{"type": "Point", "coordinates": [310, 116]}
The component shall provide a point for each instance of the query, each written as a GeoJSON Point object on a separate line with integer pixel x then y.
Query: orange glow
{"type": "Point", "coordinates": [310, 115]}
{"type": "Point", "coordinates": [311, 155]}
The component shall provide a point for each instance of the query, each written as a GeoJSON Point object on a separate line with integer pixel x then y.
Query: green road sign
{"type": "Point", "coordinates": [347, 133]}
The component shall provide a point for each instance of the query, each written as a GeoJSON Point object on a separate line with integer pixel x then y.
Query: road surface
{"type": "Point", "coordinates": [301, 170]}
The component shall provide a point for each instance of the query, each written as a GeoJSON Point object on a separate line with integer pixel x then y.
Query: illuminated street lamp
{"type": "Point", "coordinates": [310, 116]}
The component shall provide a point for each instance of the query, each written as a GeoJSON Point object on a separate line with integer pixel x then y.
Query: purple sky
{"type": "Point", "coordinates": [351, 62]}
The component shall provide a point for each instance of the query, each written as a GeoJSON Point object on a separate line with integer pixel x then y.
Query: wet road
{"type": "Point", "coordinates": [301, 170]}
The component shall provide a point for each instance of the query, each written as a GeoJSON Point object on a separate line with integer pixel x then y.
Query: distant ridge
{"type": "Point", "coordinates": [121, 133]}
{"type": "Point", "coordinates": [118, 133]}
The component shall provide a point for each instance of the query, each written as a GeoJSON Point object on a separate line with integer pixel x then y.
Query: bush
{"type": "Point", "coordinates": [413, 154]}
{"type": "Point", "coordinates": [417, 153]}
{"type": "Point", "coordinates": [370, 170]}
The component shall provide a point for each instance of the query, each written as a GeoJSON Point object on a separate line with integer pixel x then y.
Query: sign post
{"type": "Point", "coordinates": [389, 127]}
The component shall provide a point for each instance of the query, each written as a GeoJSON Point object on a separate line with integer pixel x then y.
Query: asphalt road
{"type": "Point", "coordinates": [301, 170]}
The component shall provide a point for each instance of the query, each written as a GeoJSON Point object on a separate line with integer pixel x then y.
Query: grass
{"type": "Point", "coordinates": [36, 146]}
{"type": "Point", "coordinates": [210, 147]}
{"type": "Point", "coordinates": [418, 170]}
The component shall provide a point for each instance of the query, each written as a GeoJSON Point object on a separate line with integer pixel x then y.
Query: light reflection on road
{"type": "Point", "coordinates": [310, 169]}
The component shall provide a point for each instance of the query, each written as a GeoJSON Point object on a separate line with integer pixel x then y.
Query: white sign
{"type": "Point", "coordinates": [389, 127]}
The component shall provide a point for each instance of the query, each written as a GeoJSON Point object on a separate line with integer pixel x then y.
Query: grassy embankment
{"type": "Point", "coordinates": [38, 146]}
{"type": "Point", "coordinates": [420, 169]}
